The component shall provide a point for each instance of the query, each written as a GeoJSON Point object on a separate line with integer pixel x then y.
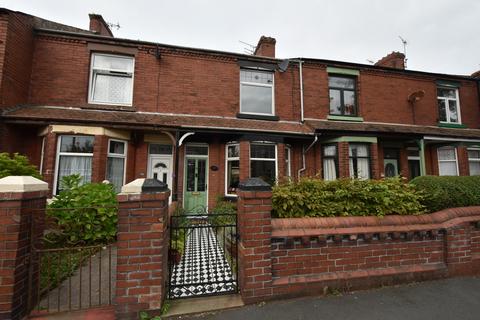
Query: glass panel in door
{"type": "Point", "coordinates": [196, 185]}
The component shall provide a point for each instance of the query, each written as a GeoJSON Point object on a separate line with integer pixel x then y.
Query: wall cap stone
{"type": "Point", "coordinates": [142, 185]}
{"type": "Point", "coordinates": [22, 184]}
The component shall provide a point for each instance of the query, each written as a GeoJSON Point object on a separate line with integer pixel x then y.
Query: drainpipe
{"type": "Point", "coordinates": [175, 178]}
{"type": "Point", "coordinates": [300, 71]}
{"type": "Point", "coordinates": [304, 152]}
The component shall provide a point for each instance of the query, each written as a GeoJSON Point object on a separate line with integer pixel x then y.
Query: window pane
{"type": "Point", "coordinates": [113, 89]}
{"type": "Point", "coordinates": [117, 147]}
{"type": "Point", "coordinates": [68, 165]}
{"type": "Point", "coordinates": [256, 99]}
{"type": "Point", "coordinates": [452, 107]}
{"type": "Point", "coordinates": [111, 62]}
{"type": "Point", "coordinates": [80, 144]}
{"type": "Point", "coordinates": [262, 151]}
{"type": "Point", "coordinates": [233, 176]}
{"type": "Point", "coordinates": [447, 168]}
{"type": "Point", "coordinates": [197, 150]}
{"type": "Point", "coordinates": [446, 93]}
{"type": "Point", "coordinates": [264, 170]}
{"type": "Point", "coordinates": [413, 152]}
{"type": "Point", "coordinates": [442, 111]}
{"type": "Point", "coordinates": [358, 150]}
{"type": "Point", "coordinates": [115, 172]}
{"type": "Point", "coordinates": [335, 102]}
{"type": "Point", "coordinates": [330, 151]}
{"type": "Point", "coordinates": [329, 169]}
{"type": "Point", "coordinates": [446, 153]}
{"type": "Point", "coordinates": [340, 82]}
{"type": "Point", "coordinates": [190, 175]}
{"type": "Point", "coordinates": [256, 76]}
{"type": "Point", "coordinates": [349, 102]}
{"type": "Point", "coordinates": [474, 168]}
{"type": "Point", "coordinates": [160, 148]}
{"type": "Point", "coordinates": [233, 151]}
{"type": "Point", "coordinates": [474, 154]}
{"type": "Point", "coordinates": [363, 168]}
{"type": "Point", "coordinates": [202, 163]}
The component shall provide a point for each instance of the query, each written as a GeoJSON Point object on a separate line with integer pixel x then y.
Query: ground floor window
{"type": "Point", "coordinates": [74, 156]}
{"type": "Point", "coordinates": [447, 161]}
{"type": "Point", "coordinates": [330, 162]}
{"type": "Point", "coordinates": [359, 161]}
{"type": "Point", "coordinates": [391, 162]}
{"type": "Point", "coordinates": [413, 162]}
{"type": "Point", "coordinates": [474, 161]}
{"type": "Point", "coordinates": [263, 162]}
{"type": "Point", "coordinates": [288, 162]}
{"type": "Point", "coordinates": [233, 169]}
{"type": "Point", "coordinates": [117, 154]}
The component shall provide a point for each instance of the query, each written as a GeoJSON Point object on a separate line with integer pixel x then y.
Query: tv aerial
{"type": "Point", "coordinates": [250, 49]}
{"type": "Point", "coordinates": [404, 42]}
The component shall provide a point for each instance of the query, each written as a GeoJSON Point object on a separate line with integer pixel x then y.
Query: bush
{"type": "Point", "coordinates": [85, 214]}
{"type": "Point", "coordinates": [17, 165]}
{"type": "Point", "coordinates": [313, 197]}
{"type": "Point", "coordinates": [448, 192]}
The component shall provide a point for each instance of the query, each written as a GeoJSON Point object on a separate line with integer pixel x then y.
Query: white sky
{"type": "Point", "coordinates": [443, 35]}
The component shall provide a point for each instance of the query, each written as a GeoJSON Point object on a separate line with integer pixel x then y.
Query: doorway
{"type": "Point", "coordinates": [196, 179]}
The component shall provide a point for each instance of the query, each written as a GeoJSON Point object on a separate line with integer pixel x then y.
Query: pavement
{"type": "Point", "coordinates": [449, 299]}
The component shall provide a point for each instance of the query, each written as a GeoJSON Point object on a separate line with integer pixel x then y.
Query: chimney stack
{"type": "Point", "coordinates": [393, 60]}
{"type": "Point", "coordinates": [99, 26]}
{"type": "Point", "coordinates": [265, 47]}
{"type": "Point", "coordinates": [476, 74]}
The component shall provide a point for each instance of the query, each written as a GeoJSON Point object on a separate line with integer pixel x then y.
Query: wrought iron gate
{"type": "Point", "coordinates": [202, 255]}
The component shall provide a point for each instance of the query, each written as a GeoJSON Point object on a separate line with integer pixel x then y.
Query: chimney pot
{"type": "Point", "coordinates": [99, 26]}
{"type": "Point", "coordinates": [265, 47]}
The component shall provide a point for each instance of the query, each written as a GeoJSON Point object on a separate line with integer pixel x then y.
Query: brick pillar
{"type": "Point", "coordinates": [22, 209]}
{"type": "Point", "coordinates": [403, 162]}
{"type": "Point", "coordinates": [459, 250]}
{"type": "Point", "coordinates": [244, 160]}
{"type": "Point", "coordinates": [375, 162]}
{"type": "Point", "coordinates": [99, 161]}
{"type": "Point", "coordinates": [255, 228]}
{"type": "Point", "coordinates": [142, 241]}
{"type": "Point", "coordinates": [343, 160]}
{"type": "Point", "coordinates": [282, 170]}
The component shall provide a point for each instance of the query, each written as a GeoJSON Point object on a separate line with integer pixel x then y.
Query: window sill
{"type": "Point", "coordinates": [451, 125]}
{"type": "Point", "coordinates": [107, 107]}
{"type": "Point", "coordinates": [344, 118]}
{"type": "Point", "coordinates": [257, 117]}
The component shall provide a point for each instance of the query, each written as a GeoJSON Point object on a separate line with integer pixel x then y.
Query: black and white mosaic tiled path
{"type": "Point", "coordinates": [203, 269]}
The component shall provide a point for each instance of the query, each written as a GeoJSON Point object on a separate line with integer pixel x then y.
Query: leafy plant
{"type": "Point", "coordinates": [313, 197]}
{"type": "Point", "coordinates": [448, 192]}
{"type": "Point", "coordinates": [17, 165]}
{"type": "Point", "coordinates": [85, 214]}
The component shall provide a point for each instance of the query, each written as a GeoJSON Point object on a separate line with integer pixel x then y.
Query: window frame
{"type": "Point", "coordinates": [456, 161]}
{"type": "Point", "coordinates": [119, 156]}
{"type": "Point", "coordinates": [472, 159]}
{"type": "Point", "coordinates": [59, 153]}
{"type": "Point", "coordinates": [227, 159]}
{"type": "Point", "coordinates": [369, 157]}
{"type": "Point", "coordinates": [342, 98]}
{"type": "Point", "coordinates": [288, 161]}
{"type": "Point", "coordinates": [335, 159]}
{"type": "Point", "coordinates": [107, 71]}
{"type": "Point", "coordinates": [447, 108]}
{"type": "Point", "coordinates": [254, 84]}
{"type": "Point", "coordinates": [264, 159]}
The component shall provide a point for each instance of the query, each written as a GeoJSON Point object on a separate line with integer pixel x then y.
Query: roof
{"type": "Point", "coordinates": [146, 120]}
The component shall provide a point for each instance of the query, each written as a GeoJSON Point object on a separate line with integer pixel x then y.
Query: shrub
{"type": "Point", "coordinates": [448, 192]}
{"type": "Point", "coordinates": [313, 197]}
{"type": "Point", "coordinates": [85, 214]}
{"type": "Point", "coordinates": [17, 165]}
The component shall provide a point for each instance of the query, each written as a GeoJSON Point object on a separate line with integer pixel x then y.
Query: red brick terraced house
{"type": "Point", "coordinates": [85, 102]}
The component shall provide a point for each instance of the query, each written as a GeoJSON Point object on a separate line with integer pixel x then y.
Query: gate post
{"type": "Point", "coordinates": [22, 199]}
{"type": "Point", "coordinates": [142, 241]}
{"type": "Point", "coordinates": [255, 227]}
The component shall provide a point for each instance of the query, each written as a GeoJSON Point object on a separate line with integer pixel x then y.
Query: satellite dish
{"type": "Point", "coordinates": [416, 96]}
{"type": "Point", "coordinates": [283, 65]}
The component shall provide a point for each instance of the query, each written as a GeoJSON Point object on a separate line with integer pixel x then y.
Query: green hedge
{"type": "Point", "coordinates": [448, 192]}
{"type": "Point", "coordinates": [313, 197]}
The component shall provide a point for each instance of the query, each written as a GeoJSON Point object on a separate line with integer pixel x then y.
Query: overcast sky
{"type": "Point", "coordinates": [443, 35]}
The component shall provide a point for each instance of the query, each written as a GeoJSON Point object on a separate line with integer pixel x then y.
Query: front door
{"type": "Point", "coordinates": [195, 196]}
{"type": "Point", "coordinates": [160, 168]}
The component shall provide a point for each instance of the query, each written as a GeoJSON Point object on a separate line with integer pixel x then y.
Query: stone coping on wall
{"type": "Point", "coordinates": [325, 226]}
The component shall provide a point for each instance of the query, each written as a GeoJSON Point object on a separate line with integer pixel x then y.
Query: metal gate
{"type": "Point", "coordinates": [202, 255]}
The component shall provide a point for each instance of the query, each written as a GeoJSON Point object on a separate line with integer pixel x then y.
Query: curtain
{"type": "Point", "coordinates": [329, 169]}
{"type": "Point", "coordinates": [363, 164]}
{"type": "Point", "coordinates": [363, 167]}
{"type": "Point", "coordinates": [447, 168]}
{"type": "Point", "coordinates": [81, 165]}
{"type": "Point", "coordinates": [115, 172]}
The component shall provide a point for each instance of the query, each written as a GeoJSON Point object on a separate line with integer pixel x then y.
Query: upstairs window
{"type": "Point", "coordinates": [448, 105]}
{"type": "Point", "coordinates": [447, 161]}
{"type": "Point", "coordinates": [474, 161]}
{"type": "Point", "coordinates": [342, 95]}
{"type": "Point", "coordinates": [111, 79]}
{"type": "Point", "coordinates": [256, 92]}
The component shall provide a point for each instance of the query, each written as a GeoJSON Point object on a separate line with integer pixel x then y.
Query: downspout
{"type": "Point", "coordinates": [175, 178]}
{"type": "Point", "coordinates": [300, 71]}
{"type": "Point", "coordinates": [304, 152]}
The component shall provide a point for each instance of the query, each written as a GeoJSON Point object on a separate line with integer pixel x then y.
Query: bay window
{"type": "Point", "coordinates": [233, 169]}
{"type": "Point", "coordinates": [448, 105]}
{"type": "Point", "coordinates": [263, 162]}
{"type": "Point", "coordinates": [74, 156]}
{"type": "Point", "coordinates": [474, 161]}
{"type": "Point", "coordinates": [447, 161]}
{"type": "Point", "coordinates": [117, 153]}
{"type": "Point", "coordinates": [359, 161]}
{"type": "Point", "coordinates": [330, 162]}
{"type": "Point", "coordinates": [256, 92]}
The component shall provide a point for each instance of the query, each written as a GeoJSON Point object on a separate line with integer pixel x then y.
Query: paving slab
{"type": "Point", "coordinates": [205, 304]}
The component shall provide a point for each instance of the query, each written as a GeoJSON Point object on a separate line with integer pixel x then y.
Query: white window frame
{"type": "Point", "coordinates": [57, 158]}
{"type": "Point", "coordinates": [255, 84]}
{"type": "Point", "coordinates": [227, 159]}
{"type": "Point", "coordinates": [288, 161]}
{"type": "Point", "coordinates": [107, 71]}
{"type": "Point", "coordinates": [472, 159]}
{"type": "Point", "coordinates": [456, 159]}
{"type": "Point", "coordinates": [264, 159]}
{"type": "Point", "coordinates": [447, 108]}
{"type": "Point", "coordinates": [120, 156]}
